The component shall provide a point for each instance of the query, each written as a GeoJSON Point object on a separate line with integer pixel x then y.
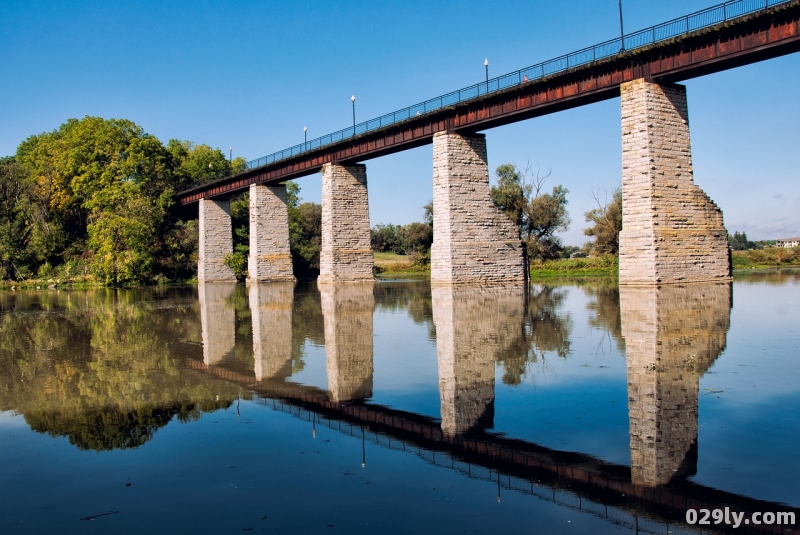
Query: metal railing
{"type": "Point", "coordinates": [649, 36]}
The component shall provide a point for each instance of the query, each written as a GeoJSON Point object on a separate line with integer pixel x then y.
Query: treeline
{"type": "Point", "coordinates": [92, 200]}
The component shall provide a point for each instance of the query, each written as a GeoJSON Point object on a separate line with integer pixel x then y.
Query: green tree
{"type": "Point", "coordinates": [538, 215]}
{"type": "Point", "coordinates": [305, 232]}
{"type": "Point", "coordinates": [606, 222]}
{"type": "Point", "coordinates": [107, 186]}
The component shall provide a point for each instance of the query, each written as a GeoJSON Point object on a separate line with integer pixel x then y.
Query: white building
{"type": "Point", "coordinates": [788, 242]}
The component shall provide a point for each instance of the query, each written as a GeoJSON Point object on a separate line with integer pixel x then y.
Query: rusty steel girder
{"type": "Point", "coordinates": [761, 36]}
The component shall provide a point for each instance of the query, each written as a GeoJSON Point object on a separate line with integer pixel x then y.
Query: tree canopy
{"type": "Point", "coordinates": [606, 222]}
{"type": "Point", "coordinates": [538, 215]}
{"type": "Point", "coordinates": [93, 197]}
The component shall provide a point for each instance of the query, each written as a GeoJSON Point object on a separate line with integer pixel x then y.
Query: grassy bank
{"type": "Point", "coordinates": [769, 258]}
{"type": "Point", "coordinates": [396, 264]}
{"type": "Point", "coordinates": [600, 266]}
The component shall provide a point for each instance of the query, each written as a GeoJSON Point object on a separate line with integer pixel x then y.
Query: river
{"type": "Point", "coordinates": [395, 407]}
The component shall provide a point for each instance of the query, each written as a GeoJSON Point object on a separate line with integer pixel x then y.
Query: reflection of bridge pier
{"type": "Point", "coordinates": [271, 310]}
{"type": "Point", "coordinates": [472, 325]}
{"type": "Point", "coordinates": [347, 309]}
{"type": "Point", "coordinates": [673, 334]}
{"type": "Point", "coordinates": [218, 320]}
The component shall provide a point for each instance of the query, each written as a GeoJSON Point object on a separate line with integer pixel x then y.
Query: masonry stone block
{"type": "Point", "coordinates": [474, 326]}
{"type": "Point", "coordinates": [671, 230]}
{"type": "Point", "coordinates": [271, 311]}
{"type": "Point", "coordinates": [270, 258]}
{"type": "Point", "coordinates": [216, 240]}
{"type": "Point", "coordinates": [346, 254]}
{"type": "Point", "coordinates": [673, 334]}
{"type": "Point", "coordinates": [473, 241]}
{"type": "Point", "coordinates": [347, 310]}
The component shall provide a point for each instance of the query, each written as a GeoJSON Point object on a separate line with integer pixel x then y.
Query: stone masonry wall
{"type": "Point", "coordinates": [671, 230]}
{"type": "Point", "coordinates": [347, 310]}
{"type": "Point", "coordinates": [346, 254]}
{"type": "Point", "coordinates": [271, 311]}
{"type": "Point", "coordinates": [216, 240]}
{"type": "Point", "coordinates": [270, 258]}
{"type": "Point", "coordinates": [473, 241]}
{"type": "Point", "coordinates": [473, 327]}
{"type": "Point", "coordinates": [218, 321]}
{"type": "Point", "coordinates": [673, 334]}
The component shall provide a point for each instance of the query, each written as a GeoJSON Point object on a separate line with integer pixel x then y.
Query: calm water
{"type": "Point", "coordinates": [397, 408]}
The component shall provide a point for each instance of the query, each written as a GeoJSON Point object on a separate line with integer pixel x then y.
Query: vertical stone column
{"type": "Point", "coordinates": [271, 311]}
{"type": "Point", "coordinates": [473, 327]}
{"type": "Point", "coordinates": [473, 241]}
{"type": "Point", "coordinates": [673, 334]}
{"type": "Point", "coordinates": [671, 230]}
{"type": "Point", "coordinates": [346, 254]}
{"type": "Point", "coordinates": [347, 310]}
{"type": "Point", "coordinates": [270, 258]}
{"type": "Point", "coordinates": [216, 240]}
{"type": "Point", "coordinates": [218, 321]}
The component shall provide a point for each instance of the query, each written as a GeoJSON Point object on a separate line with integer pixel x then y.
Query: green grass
{"type": "Point", "coordinates": [396, 264]}
{"type": "Point", "coordinates": [769, 258]}
{"type": "Point", "coordinates": [600, 266]}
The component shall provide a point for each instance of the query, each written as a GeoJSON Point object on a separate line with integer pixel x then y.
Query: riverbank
{"type": "Point", "coordinates": [769, 258]}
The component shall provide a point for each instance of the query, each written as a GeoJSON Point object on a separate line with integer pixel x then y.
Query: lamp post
{"type": "Point", "coordinates": [230, 154]}
{"type": "Point", "coordinates": [305, 138]}
{"type": "Point", "coordinates": [486, 65]}
{"type": "Point", "coordinates": [621, 31]}
{"type": "Point", "coordinates": [353, 100]}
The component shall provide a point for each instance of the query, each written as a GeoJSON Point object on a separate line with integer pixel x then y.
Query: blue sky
{"type": "Point", "coordinates": [251, 74]}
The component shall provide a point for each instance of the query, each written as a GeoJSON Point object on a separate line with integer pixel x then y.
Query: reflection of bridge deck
{"type": "Point", "coordinates": [586, 476]}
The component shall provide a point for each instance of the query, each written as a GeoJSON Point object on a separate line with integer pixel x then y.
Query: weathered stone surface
{"type": "Point", "coordinates": [218, 321]}
{"type": "Point", "coordinates": [347, 310]}
{"type": "Point", "coordinates": [270, 258]}
{"type": "Point", "coordinates": [673, 334]}
{"type": "Point", "coordinates": [671, 231]}
{"type": "Point", "coordinates": [345, 255]}
{"type": "Point", "coordinates": [473, 326]}
{"type": "Point", "coordinates": [473, 241]}
{"type": "Point", "coordinates": [271, 312]}
{"type": "Point", "coordinates": [216, 240]}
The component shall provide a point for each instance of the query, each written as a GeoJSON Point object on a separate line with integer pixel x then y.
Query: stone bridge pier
{"type": "Point", "coordinates": [473, 326]}
{"type": "Point", "coordinates": [347, 310]}
{"type": "Point", "coordinates": [673, 334]}
{"type": "Point", "coordinates": [473, 240]}
{"type": "Point", "coordinates": [346, 253]}
{"type": "Point", "coordinates": [271, 311]}
{"type": "Point", "coordinates": [671, 230]}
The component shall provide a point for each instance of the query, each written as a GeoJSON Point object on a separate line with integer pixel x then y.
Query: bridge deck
{"type": "Point", "coordinates": [762, 35]}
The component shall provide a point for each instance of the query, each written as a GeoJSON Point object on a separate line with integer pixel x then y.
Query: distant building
{"type": "Point", "coordinates": [788, 242]}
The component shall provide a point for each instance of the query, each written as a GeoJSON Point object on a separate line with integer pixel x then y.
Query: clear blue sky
{"type": "Point", "coordinates": [252, 74]}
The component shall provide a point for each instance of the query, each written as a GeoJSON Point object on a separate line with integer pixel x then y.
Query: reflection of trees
{"type": "Point", "coordinates": [103, 367]}
{"type": "Point", "coordinates": [415, 298]}
{"type": "Point", "coordinates": [543, 330]}
{"type": "Point", "coordinates": [308, 323]}
{"type": "Point", "coordinates": [605, 307]}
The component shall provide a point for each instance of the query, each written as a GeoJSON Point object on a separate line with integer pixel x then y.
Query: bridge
{"type": "Point", "coordinates": [672, 231]}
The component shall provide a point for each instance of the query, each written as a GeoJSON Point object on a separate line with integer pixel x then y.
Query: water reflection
{"type": "Point", "coordinates": [271, 314]}
{"type": "Point", "coordinates": [218, 318]}
{"type": "Point", "coordinates": [108, 369]}
{"type": "Point", "coordinates": [474, 327]}
{"type": "Point", "coordinates": [92, 366]}
{"type": "Point", "coordinates": [673, 334]}
{"type": "Point", "coordinates": [348, 309]}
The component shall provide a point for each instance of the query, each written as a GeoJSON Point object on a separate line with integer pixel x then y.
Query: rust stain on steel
{"type": "Point", "coordinates": [759, 37]}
